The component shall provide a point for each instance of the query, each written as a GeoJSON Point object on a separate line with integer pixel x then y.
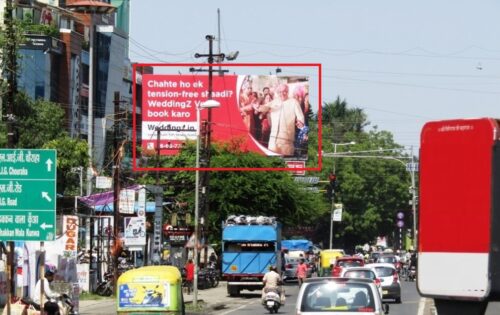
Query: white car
{"type": "Point", "coordinates": [339, 296]}
{"type": "Point", "coordinates": [391, 286]}
{"type": "Point", "coordinates": [363, 273]}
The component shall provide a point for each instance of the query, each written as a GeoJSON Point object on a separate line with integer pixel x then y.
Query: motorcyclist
{"type": "Point", "coordinates": [272, 281]}
{"type": "Point", "coordinates": [49, 306]}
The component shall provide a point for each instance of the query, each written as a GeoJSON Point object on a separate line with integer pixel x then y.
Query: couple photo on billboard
{"type": "Point", "coordinates": [275, 112]}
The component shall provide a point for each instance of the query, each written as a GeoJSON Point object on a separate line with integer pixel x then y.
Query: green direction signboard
{"type": "Point", "coordinates": [27, 194]}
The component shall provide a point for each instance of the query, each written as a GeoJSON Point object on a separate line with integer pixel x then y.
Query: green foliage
{"type": "Point", "coordinates": [71, 153]}
{"type": "Point", "coordinates": [39, 122]}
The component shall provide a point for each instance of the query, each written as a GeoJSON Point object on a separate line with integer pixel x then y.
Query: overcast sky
{"type": "Point", "coordinates": [403, 62]}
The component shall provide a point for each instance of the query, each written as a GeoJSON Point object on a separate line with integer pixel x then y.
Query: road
{"type": "Point", "coordinates": [249, 303]}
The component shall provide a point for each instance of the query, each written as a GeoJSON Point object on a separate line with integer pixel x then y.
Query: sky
{"type": "Point", "coordinates": [403, 62]}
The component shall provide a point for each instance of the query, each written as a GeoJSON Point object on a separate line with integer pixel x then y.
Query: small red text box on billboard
{"type": "Point", "coordinates": [264, 114]}
{"type": "Point", "coordinates": [298, 167]}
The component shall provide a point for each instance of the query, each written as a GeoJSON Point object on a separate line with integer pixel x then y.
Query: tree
{"type": "Point", "coordinates": [243, 192]}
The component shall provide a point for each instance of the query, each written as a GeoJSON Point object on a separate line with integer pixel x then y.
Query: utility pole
{"type": "Point", "coordinates": [116, 187]}
{"type": "Point", "coordinates": [207, 130]}
{"type": "Point", "coordinates": [11, 67]}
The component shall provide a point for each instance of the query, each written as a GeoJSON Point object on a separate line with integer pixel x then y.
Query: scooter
{"type": "Point", "coordinates": [66, 306]}
{"type": "Point", "coordinates": [412, 273]}
{"type": "Point", "coordinates": [272, 300]}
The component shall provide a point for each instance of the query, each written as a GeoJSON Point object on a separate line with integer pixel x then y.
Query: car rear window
{"type": "Point", "coordinates": [384, 271]}
{"type": "Point", "coordinates": [387, 259]}
{"type": "Point", "coordinates": [360, 274]}
{"type": "Point", "coordinates": [333, 296]}
{"type": "Point", "coordinates": [350, 263]}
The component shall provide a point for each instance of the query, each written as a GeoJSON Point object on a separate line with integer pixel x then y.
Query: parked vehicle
{"type": "Point", "coordinates": [339, 296]}
{"type": "Point", "coordinates": [105, 287]}
{"type": "Point", "coordinates": [346, 262]}
{"type": "Point", "coordinates": [272, 300]}
{"type": "Point", "coordinates": [391, 286]}
{"type": "Point", "coordinates": [249, 248]}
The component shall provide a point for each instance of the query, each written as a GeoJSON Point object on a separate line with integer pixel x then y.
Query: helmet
{"type": "Point", "coordinates": [50, 270]}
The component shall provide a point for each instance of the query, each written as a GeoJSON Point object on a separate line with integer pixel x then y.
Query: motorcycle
{"type": "Point", "coordinates": [65, 303]}
{"type": "Point", "coordinates": [105, 288]}
{"type": "Point", "coordinates": [412, 273]}
{"type": "Point", "coordinates": [272, 300]}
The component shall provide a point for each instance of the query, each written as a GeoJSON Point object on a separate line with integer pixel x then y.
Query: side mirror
{"type": "Point", "coordinates": [386, 308]}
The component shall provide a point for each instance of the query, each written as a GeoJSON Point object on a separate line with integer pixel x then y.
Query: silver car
{"type": "Point", "coordinates": [339, 296]}
{"type": "Point", "coordinates": [290, 270]}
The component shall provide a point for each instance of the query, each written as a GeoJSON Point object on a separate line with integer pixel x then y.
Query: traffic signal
{"type": "Point", "coordinates": [333, 181]}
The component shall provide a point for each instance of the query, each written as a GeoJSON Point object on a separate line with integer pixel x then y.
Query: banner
{"type": "Point", "coordinates": [70, 232]}
{"type": "Point", "coordinates": [135, 231]}
{"type": "Point", "coordinates": [263, 114]}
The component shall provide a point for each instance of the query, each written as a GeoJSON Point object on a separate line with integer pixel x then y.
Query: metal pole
{"type": "Point", "coordinates": [413, 201]}
{"type": "Point", "coordinates": [116, 189]}
{"type": "Point", "coordinates": [196, 210]}
{"type": "Point", "coordinates": [333, 199]}
{"type": "Point", "coordinates": [90, 114]}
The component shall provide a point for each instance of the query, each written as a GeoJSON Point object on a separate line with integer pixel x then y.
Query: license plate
{"type": "Point", "coordinates": [385, 292]}
{"type": "Point", "coordinates": [270, 303]}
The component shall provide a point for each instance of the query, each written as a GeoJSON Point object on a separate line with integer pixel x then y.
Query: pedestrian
{"type": "Point", "coordinates": [189, 275]}
{"type": "Point", "coordinates": [301, 271]}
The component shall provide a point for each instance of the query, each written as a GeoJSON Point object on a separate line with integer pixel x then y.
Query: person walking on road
{"type": "Point", "coordinates": [301, 271]}
{"type": "Point", "coordinates": [189, 275]}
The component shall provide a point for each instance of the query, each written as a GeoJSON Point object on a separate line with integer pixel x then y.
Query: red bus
{"type": "Point", "coordinates": [459, 214]}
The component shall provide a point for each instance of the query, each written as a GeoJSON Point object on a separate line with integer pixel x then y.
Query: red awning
{"type": "Point", "coordinates": [91, 6]}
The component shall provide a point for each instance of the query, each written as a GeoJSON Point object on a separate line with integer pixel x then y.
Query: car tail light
{"type": "Point", "coordinates": [289, 266]}
{"type": "Point", "coordinates": [377, 282]}
{"type": "Point", "coordinates": [336, 271]}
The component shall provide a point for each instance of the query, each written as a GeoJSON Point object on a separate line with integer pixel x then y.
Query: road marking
{"type": "Point", "coordinates": [238, 308]}
{"type": "Point", "coordinates": [421, 306]}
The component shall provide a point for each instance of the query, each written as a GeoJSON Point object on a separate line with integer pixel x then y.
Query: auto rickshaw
{"type": "Point", "coordinates": [150, 290]}
{"type": "Point", "coordinates": [327, 258]}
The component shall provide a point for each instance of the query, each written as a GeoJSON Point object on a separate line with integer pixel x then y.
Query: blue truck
{"type": "Point", "coordinates": [248, 250]}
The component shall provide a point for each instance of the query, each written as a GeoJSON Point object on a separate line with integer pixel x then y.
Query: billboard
{"type": "Point", "coordinates": [264, 114]}
{"type": "Point", "coordinates": [268, 113]}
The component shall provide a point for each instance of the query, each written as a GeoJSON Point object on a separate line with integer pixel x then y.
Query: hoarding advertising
{"type": "Point", "coordinates": [264, 114]}
{"type": "Point", "coordinates": [266, 111]}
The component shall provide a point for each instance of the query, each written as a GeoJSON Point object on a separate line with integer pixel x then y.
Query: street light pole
{"type": "Point", "coordinates": [333, 191]}
{"type": "Point", "coordinates": [208, 104]}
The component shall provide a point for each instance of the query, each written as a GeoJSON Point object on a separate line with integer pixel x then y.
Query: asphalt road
{"type": "Point", "coordinates": [249, 302]}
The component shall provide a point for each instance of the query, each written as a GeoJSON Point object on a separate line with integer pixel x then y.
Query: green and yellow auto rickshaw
{"type": "Point", "coordinates": [150, 290]}
{"type": "Point", "coordinates": [327, 257]}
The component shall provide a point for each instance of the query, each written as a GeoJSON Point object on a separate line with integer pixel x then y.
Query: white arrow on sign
{"type": "Point", "coordinates": [49, 165]}
{"type": "Point", "coordinates": [46, 226]}
{"type": "Point", "coordinates": [45, 195]}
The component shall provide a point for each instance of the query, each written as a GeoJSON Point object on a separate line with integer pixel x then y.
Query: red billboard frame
{"type": "Point", "coordinates": [225, 65]}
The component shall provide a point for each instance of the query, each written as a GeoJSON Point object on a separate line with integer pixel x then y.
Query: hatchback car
{"type": "Point", "coordinates": [289, 272]}
{"type": "Point", "coordinates": [339, 296]}
{"type": "Point", "coordinates": [363, 273]}
{"type": "Point", "coordinates": [345, 262]}
{"type": "Point", "coordinates": [388, 275]}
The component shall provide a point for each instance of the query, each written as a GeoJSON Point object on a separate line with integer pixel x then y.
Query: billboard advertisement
{"type": "Point", "coordinates": [267, 114]}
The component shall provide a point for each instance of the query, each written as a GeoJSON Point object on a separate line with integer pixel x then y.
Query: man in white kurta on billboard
{"type": "Point", "coordinates": [285, 115]}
